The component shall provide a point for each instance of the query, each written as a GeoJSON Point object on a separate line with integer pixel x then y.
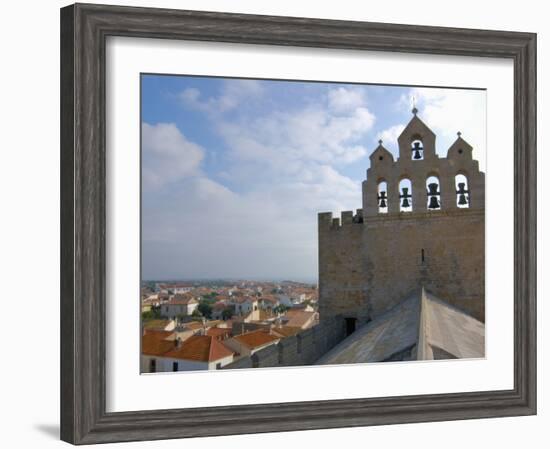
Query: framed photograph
{"type": "Point", "coordinates": [273, 224]}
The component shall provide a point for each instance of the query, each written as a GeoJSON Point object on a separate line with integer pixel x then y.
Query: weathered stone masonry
{"type": "Point", "coordinates": [371, 260]}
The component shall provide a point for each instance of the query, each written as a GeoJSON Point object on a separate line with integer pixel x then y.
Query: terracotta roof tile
{"type": "Point", "coordinates": [298, 318]}
{"type": "Point", "coordinates": [156, 342]}
{"type": "Point", "coordinates": [286, 331]}
{"type": "Point", "coordinates": [218, 331]}
{"type": "Point", "coordinates": [182, 300]}
{"type": "Point", "coordinates": [200, 348]}
{"type": "Point", "coordinates": [256, 339]}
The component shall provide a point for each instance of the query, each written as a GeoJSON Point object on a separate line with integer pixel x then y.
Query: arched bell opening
{"type": "Point", "coordinates": [462, 191]}
{"type": "Point", "coordinates": [405, 195]}
{"type": "Point", "coordinates": [433, 193]}
{"type": "Point", "coordinates": [382, 197]}
{"type": "Point", "coordinates": [417, 149]}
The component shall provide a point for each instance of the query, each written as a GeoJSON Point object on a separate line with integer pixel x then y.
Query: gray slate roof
{"type": "Point", "coordinates": [422, 327]}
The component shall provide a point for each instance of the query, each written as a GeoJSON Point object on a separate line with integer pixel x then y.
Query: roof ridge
{"type": "Point", "coordinates": [421, 340]}
{"type": "Point", "coordinates": [210, 347]}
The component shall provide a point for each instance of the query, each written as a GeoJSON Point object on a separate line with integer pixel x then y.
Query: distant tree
{"type": "Point", "coordinates": [153, 314]}
{"type": "Point", "coordinates": [146, 316]}
{"type": "Point", "coordinates": [196, 313]}
{"type": "Point", "coordinates": [227, 313]}
{"type": "Point", "coordinates": [205, 309]}
{"type": "Point", "coordinates": [280, 309]}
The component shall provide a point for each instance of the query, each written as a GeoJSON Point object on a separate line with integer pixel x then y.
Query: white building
{"type": "Point", "coordinates": [179, 305]}
{"type": "Point", "coordinates": [199, 352]}
{"type": "Point", "coordinates": [245, 305]}
{"type": "Point", "coordinates": [291, 300]}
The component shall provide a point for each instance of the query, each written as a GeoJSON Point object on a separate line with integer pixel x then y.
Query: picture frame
{"type": "Point", "coordinates": [84, 29]}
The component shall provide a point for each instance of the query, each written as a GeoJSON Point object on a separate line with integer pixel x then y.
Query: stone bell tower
{"type": "Point", "coordinates": [422, 225]}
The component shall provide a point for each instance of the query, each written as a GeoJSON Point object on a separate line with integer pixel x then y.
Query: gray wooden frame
{"type": "Point", "coordinates": [84, 29]}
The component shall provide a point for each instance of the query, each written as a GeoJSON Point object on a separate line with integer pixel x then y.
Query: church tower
{"type": "Point", "coordinates": [422, 225]}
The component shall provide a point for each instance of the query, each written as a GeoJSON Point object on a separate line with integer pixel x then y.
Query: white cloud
{"type": "Point", "coordinates": [344, 99]}
{"type": "Point", "coordinates": [234, 93]}
{"type": "Point", "coordinates": [204, 229]}
{"type": "Point", "coordinates": [288, 141]}
{"type": "Point", "coordinates": [286, 164]}
{"type": "Point", "coordinates": [167, 155]}
{"type": "Point", "coordinates": [389, 138]}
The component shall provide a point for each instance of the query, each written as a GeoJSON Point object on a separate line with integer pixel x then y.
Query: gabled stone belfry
{"type": "Point", "coordinates": [422, 225]}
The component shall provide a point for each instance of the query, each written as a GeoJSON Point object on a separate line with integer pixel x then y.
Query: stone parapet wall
{"type": "Point", "coordinates": [302, 349]}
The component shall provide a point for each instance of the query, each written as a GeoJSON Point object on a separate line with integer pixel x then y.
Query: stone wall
{"type": "Point", "coordinates": [444, 251]}
{"type": "Point", "coordinates": [342, 288]}
{"type": "Point", "coordinates": [302, 349]}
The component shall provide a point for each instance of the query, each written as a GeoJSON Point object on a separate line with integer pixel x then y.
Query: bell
{"type": "Point", "coordinates": [462, 201]}
{"type": "Point", "coordinates": [416, 151]}
{"type": "Point", "coordinates": [405, 197]}
{"type": "Point", "coordinates": [432, 188]}
{"type": "Point", "coordinates": [382, 199]}
{"type": "Point", "coordinates": [434, 203]}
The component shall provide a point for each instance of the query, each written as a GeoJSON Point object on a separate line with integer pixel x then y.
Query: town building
{"type": "Point", "coordinates": [162, 351]}
{"type": "Point", "coordinates": [179, 305]}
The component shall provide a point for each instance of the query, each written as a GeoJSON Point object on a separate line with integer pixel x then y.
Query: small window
{"type": "Point", "coordinates": [433, 193]}
{"type": "Point", "coordinates": [218, 365]}
{"type": "Point", "coordinates": [350, 326]}
{"type": "Point", "coordinates": [405, 196]}
{"type": "Point", "coordinates": [175, 366]}
{"type": "Point", "coordinates": [382, 197]}
{"type": "Point", "coordinates": [462, 191]}
{"type": "Point", "coordinates": [153, 366]}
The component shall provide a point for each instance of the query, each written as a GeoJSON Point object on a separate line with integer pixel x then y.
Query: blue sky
{"type": "Point", "coordinates": [235, 171]}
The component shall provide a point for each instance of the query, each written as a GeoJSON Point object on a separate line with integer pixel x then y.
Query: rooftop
{"type": "Point", "coordinates": [201, 348]}
{"type": "Point", "coordinates": [156, 342]}
{"type": "Point", "coordinates": [256, 339]}
{"type": "Point", "coordinates": [182, 300]}
{"type": "Point", "coordinates": [298, 318]}
{"type": "Point", "coordinates": [422, 326]}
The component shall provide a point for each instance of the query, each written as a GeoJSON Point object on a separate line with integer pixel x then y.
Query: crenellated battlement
{"type": "Point", "coordinates": [347, 218]}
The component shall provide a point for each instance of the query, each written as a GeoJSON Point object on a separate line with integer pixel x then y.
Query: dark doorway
{"type": "Point", "coordinates": [350, 326]}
